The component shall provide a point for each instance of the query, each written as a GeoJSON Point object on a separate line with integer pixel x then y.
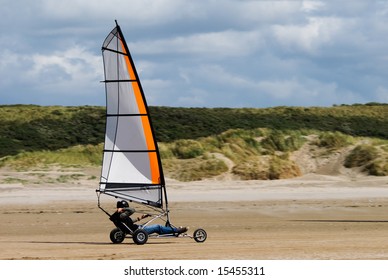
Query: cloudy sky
{"type": "Point", "coordinates": [208, 53]}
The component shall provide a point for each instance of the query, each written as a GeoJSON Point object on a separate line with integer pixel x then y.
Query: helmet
{"type": "Point", "coordinates": [122, 204]}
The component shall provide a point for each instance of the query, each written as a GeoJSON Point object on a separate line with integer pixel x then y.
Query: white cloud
{"type": "Point", "coordinates": [157, 91]}
{"type": "Point", "coordinates": [72, 73]}
{"type": "Point", "coordinates": [283, 89]}
{"type": "Point", "coordinates": [194, 97]}
{"type": "Point", "coordinates": [240, 89]}
{"type": "Point", "coordinates": [75, 62]}
{"type": "Point", "coordinates": [73, 66]}
{"type": "Point", "coordinates": [11, 64]}
{"type": "Point", "coordinates": [382, 94]}
{"type": "Point", "coordinates": [217, 75]}
{"type": "Point", "coordinates": [311, 6]}
{"type": "Point", "coordinates": [226, 43]}
{"type": "Point", "coordinates": [139, 13]}
{"type": "Point", "coordinates": [261, 11]}
{"type": "Point", "coordinates": [311, 36]}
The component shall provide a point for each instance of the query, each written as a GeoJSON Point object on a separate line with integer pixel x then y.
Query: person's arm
{"type": "Point", "coordinates": [130, 210]}
{"type": "Point", "coordinates": [142, 217]}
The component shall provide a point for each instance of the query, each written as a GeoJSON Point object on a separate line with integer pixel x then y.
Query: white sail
{"type": "Point", "coordinates": [131, 166]}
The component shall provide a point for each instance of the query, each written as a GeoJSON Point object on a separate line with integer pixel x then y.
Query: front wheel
{"type": "Point", "coordinates": [117, 236]}
{"type": "Point", "coordinates": [140, 236]}
{"type": "Point", "coordinates": [200, 235]}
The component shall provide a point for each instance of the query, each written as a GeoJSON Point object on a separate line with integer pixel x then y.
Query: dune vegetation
{"type": "Point", "coordinates": [200, 143]}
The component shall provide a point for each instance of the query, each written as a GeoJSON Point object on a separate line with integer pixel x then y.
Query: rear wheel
{"type": "Point", "coordinates": [140, 236]}
{"type": "Point", "coordinates": [117, 236]}
{"type": "Point", "coordinates": [200, 235]}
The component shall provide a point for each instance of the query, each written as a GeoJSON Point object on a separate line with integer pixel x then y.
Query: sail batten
{"type": "Point", "coordinates": [132, 151]}
{"type": "Point", "coordinates": [119, 81]}
{"type": "Point", "coordinates": [111, 50]}
{"type": "Point", "coordinates": [125, 115]}
{"type": "Point", "coordinates": [131, 162]}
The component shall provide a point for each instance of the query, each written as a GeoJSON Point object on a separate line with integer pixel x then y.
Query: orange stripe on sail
{"type": "Point", "coordinates": [154, 163]}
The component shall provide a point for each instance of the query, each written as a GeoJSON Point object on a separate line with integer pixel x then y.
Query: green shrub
{"type": "Point", "coordinates": [252, 168]}
{"type": "Point", "coordinates": [194, 169]}
{"type": "Point", "coordinates": [361, 155]}
{"type": "Point", "coordinates": [185, 149]}
{"type": "Point", "coordinates": [378, 168]}
{"type": "Point", "coordinates": [282, 169]}
{"type": "Point", "coordinates": [334, 140]}
{"type": "Point", "coordinates": [88, 155]}
{"type": "Point", "coordinates": [266, 168]}
{"type": "Point", "coordinates": [165, 150]}
{"type": "Point", "coordinates": [282, 141]}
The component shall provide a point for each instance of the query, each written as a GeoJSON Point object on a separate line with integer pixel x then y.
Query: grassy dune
{"type": "Point", "coordinates": [198, 143]}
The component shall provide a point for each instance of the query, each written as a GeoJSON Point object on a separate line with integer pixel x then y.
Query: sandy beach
{"type": "Point", "coordinates": [311, 217]}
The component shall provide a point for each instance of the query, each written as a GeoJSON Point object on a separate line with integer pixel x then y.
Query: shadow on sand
{"type": "Point", "coordinates": [89, 243]}
{"type": "Point", "coordinates": [342, 221]}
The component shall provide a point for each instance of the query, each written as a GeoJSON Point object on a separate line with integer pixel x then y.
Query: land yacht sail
{"type": "Point", "coordinates": [131, 167]}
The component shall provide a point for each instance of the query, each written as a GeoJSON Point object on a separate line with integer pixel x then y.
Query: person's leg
{"type": "Point", "coordinates": [163, 230]}
{"type": "Point", "coordinates": [159, 229]}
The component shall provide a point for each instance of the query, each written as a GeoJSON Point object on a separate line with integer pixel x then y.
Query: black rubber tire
{"type": "Point", "coordinates": [200, 235]}
{"type": "Point", "coordinates": [140, 236]}
{"type": "Point", "coordinates": [117, 236]}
